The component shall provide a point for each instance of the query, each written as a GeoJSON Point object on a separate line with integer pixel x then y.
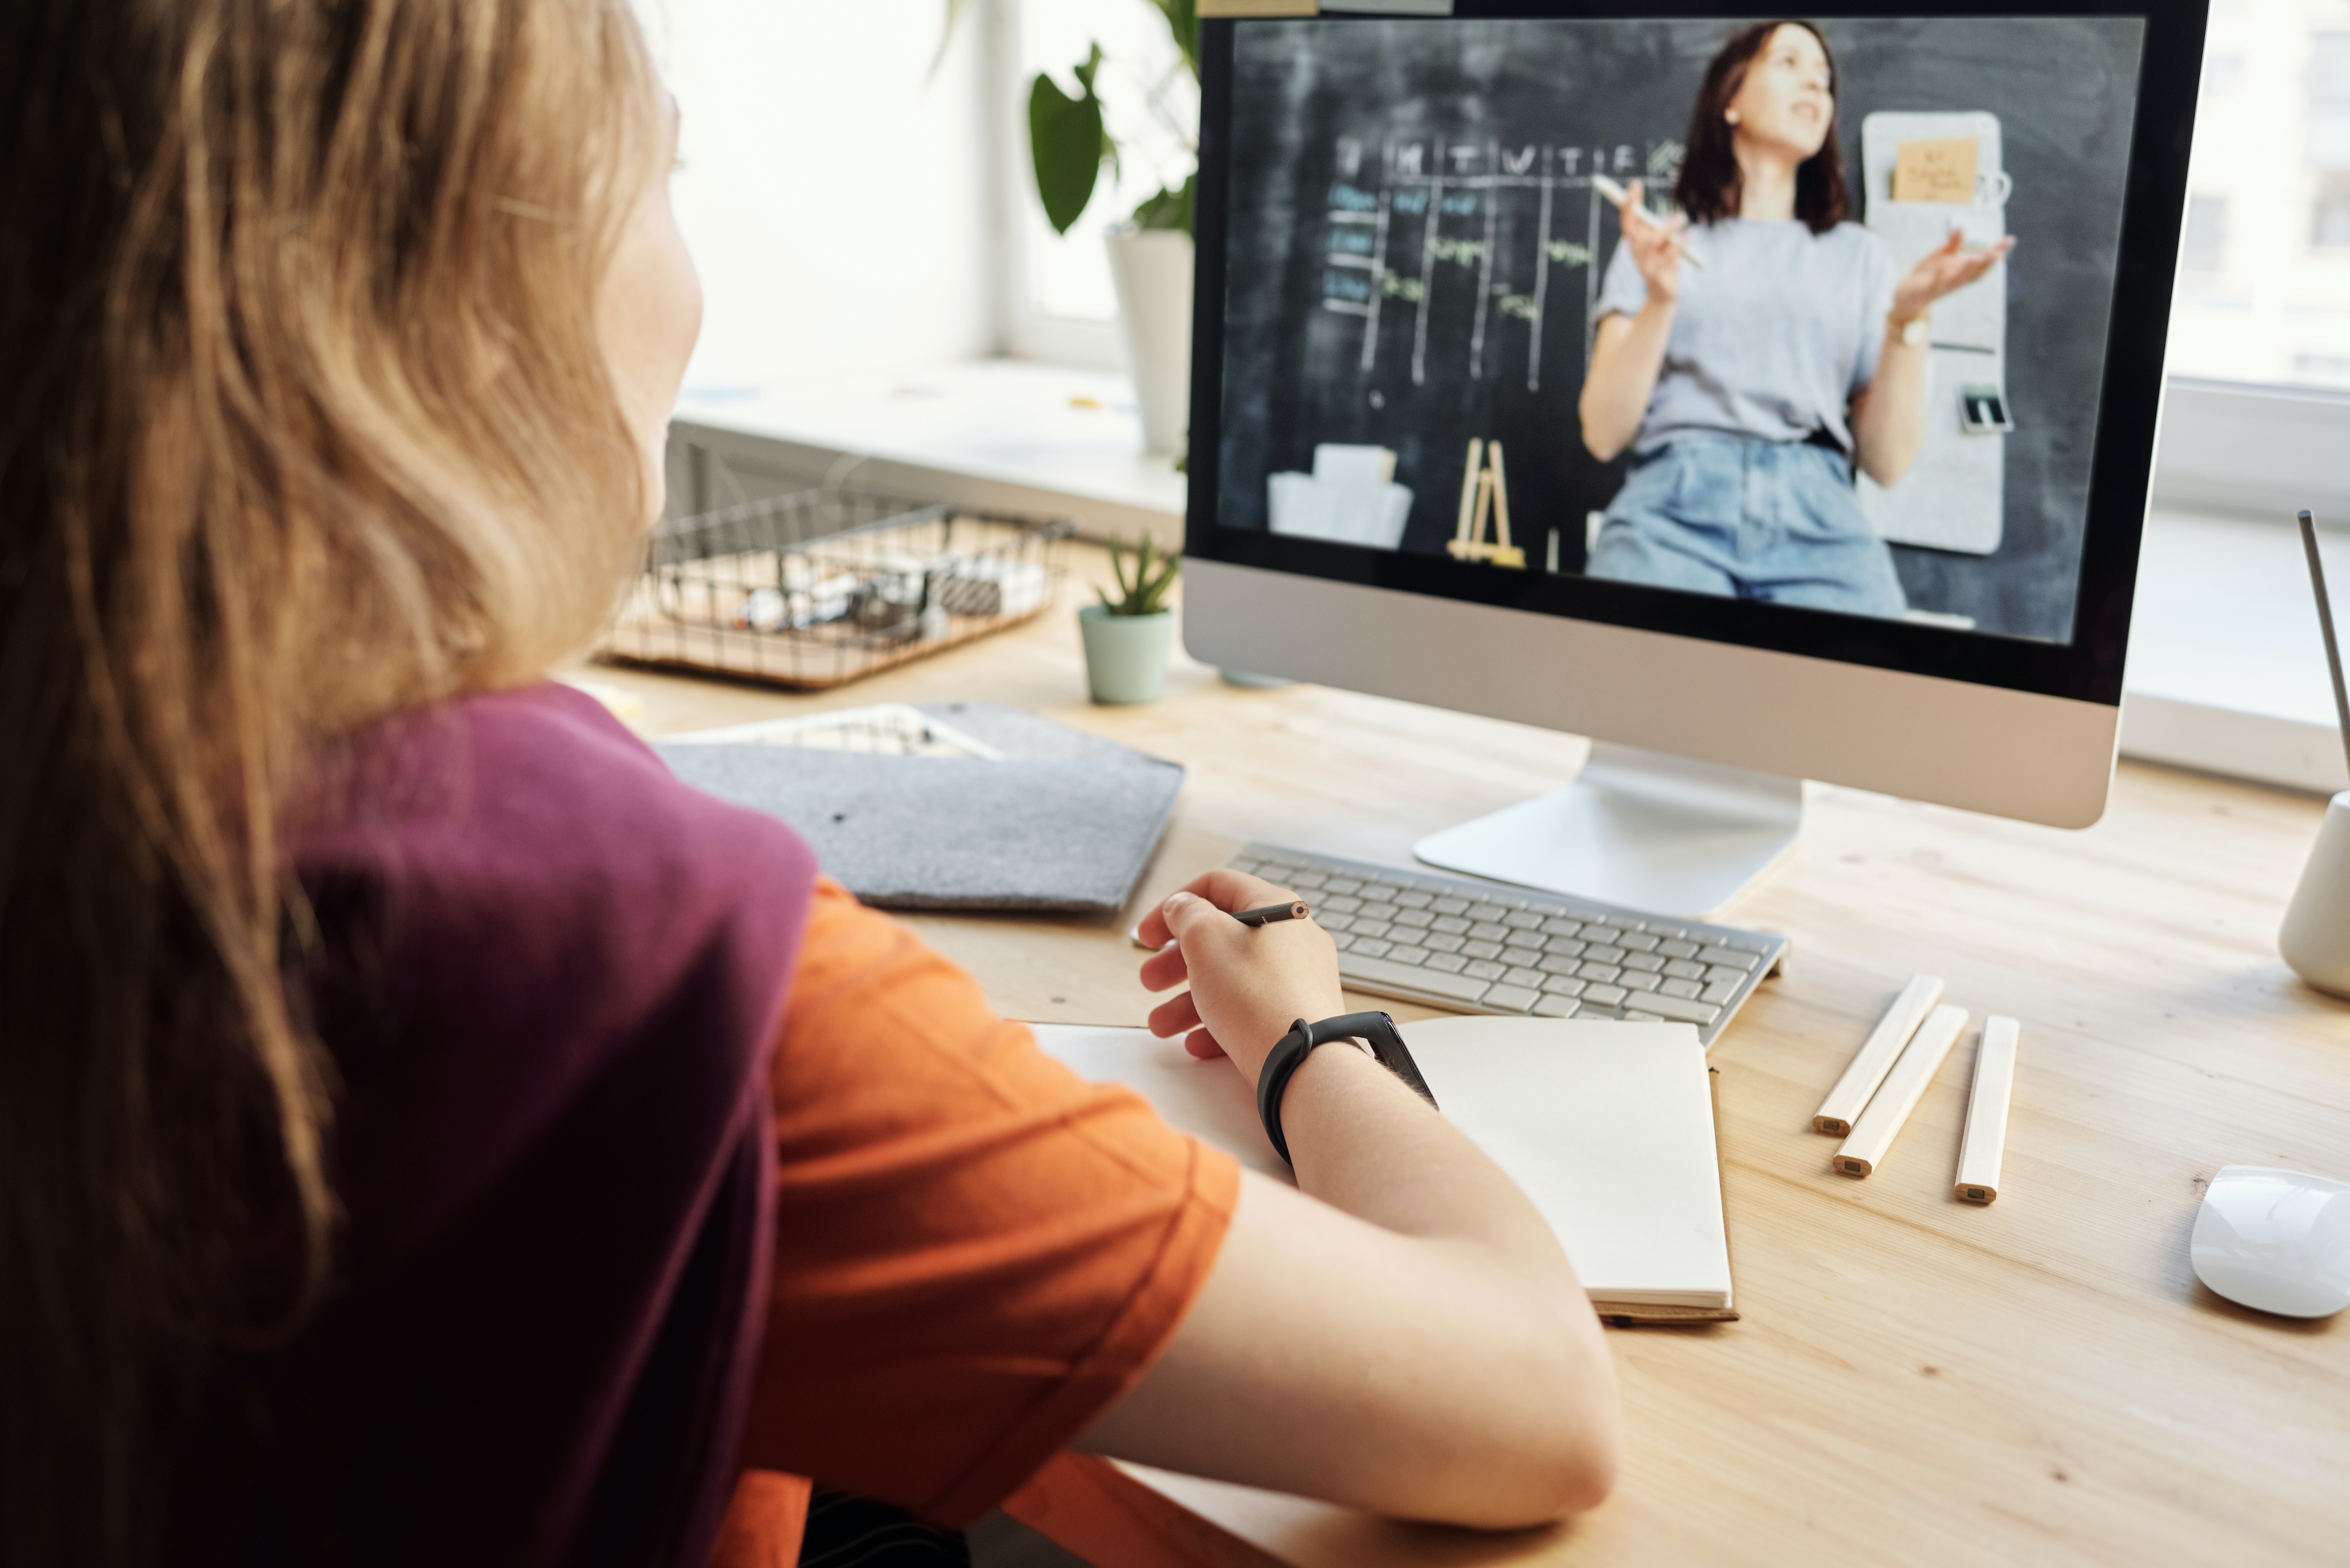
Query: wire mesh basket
{"type": "Point", "coordinates": [821, 587]}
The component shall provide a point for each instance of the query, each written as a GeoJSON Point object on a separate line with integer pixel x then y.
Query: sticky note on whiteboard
{"type": "Point", "coordinates": [1942, 169]}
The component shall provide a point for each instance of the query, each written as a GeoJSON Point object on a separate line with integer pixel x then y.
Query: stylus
{"type": "Point", "coordinates": [1845, 1102]}
{"type": "Point", "coordinates": [1617, 195]}
{"type": "Point", "coordinates": [1291, 911]}
{"type": "Point", "coordinates": [1986, 1135]}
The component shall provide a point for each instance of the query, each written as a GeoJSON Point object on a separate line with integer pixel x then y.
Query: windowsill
{"type": "Point", "coordinates": [2227, 672]}
{"type": "Point", "coordinates": [2227, 668]}
{"type": "Point", "coordinates": [1047, 438]}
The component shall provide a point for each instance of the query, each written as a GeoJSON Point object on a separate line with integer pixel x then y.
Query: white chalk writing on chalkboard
{"type": "Point", "coordinates": [1422, 216]}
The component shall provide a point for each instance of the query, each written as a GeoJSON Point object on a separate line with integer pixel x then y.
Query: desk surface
{"type": "Point", "coordinates": [1915, 1379]}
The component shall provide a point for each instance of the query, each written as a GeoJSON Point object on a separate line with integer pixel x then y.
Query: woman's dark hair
{"type": "Point", "coordinates": [1709, 182]}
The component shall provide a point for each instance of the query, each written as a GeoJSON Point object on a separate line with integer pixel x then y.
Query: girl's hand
{"type": "Point", "coordinates": [1944, 270]}
{"type": "Point", "coordinates": [1657, 248]}
{"type": "Point", "coordinates": [1249, 984]}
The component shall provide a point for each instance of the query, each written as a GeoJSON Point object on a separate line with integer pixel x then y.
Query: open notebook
{"type": "Point", "coordinates": [1607, 1126]}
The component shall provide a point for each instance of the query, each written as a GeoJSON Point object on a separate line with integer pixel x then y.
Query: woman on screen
{"type": "Point", "coordinates": [1755, 347]}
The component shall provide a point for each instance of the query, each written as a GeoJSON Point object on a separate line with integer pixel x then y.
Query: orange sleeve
{"type": "Point", "coordinates": [976, 1251]}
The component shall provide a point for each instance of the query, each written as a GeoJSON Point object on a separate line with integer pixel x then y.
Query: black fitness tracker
{"type": "Point", "coordinates": [1377, 1028]}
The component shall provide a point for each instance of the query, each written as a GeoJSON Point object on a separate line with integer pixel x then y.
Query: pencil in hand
{"type": "Point", "coordinates": [1293, 911]}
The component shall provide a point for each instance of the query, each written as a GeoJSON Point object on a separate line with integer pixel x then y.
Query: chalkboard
{"type": "Point", "coordinates": [1415, 243]}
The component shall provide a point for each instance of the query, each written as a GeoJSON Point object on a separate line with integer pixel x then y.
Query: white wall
{"type": "Point", "coordinates": [838, 197]}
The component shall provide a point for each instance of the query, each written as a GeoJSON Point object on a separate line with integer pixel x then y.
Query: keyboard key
{"type": "Point", "coordinates": [1415, 956]}
{"type": "Point", "coordinates": [1718, 993]}
{"type": "Point", "coordinates": [1489, 911]}
{"type": "Point", "coordinates": [1452, 923]}
{"type": "Point", "coordinates": [1379, 910]}
{"type": "Point", "coordinates": [1371, 948]}
{"type": "Point", "coordinates": [1645, 963]}
{"type": "Point", "coordinates": [1378, 972]}
{"type": "Point", "coordinates": [1636, 942]}
{"type": "Point", "coordinates": [1754, 945]}
{"type": "Point", "coordinates": [1342, 906]}
{"type": "Point", "coordinates": [1482, 949]}
{"type": "Point", "coordinates": [1723, 974]}
{"type": "Point", "coordinates": [1343, 885]}
{"type": "Point", "coordinates": [1521, 958]}
{"type": "Point", "coordinates": [1533, 977]}
{"type": "Point", "coordinates": [1681, 969]}
{"type": "Point", "coordinates": [1561, 986]}
{"type": "Point", "coordinates": [1565, 947]}
{"type": "Point", "coordinates": [1413, 920]}
{"type": "Point", "coordinates": [1330, 922]}
{"type": "Point", "coordinates": [1674, 933]}
{"type": "Point", "coordinates": [1365, 926]}
{"type": "Point", "coordinates": [1342, 940]}
{"type": "Point", "coordinates": [1486, 968]}
{"type": "Point", "coordinates": [1522, 920]}
{"type": "Point", "coordinates": [1603, 996]}
{"type": "Point", "coordinates": [1560, 963]}
{"type": "Point", "coordinates": [1488, 930]}
{"type": "Point", "coordinates": [1633, 979]}
{"type": "Point", "coordinates": [1414, 899]}
{"type": "Point", "coordinates": [1556, 1007]}
{"type": "Point", "coordinates": [1686, 989]}
{"type": "Point", "coordinates": [1447, 963]}
{"type": "Point", "coordinates": [1623, 922]}
{"type": "Point", "coordinates": [1451, 906]}
{"type": "Point", "coordinates": [1678, 950]}
{"type": "Point", "coordinates": [1562, 927]}
{"type": "Point", "coordinates": [1442, 942]}
{"type": "Point", "coordinates": [1301, 880]}
{"type": "Point", "coordinates": [1678, 1010]}
{"type": "Point", "coordinates": [1598, 972]}
{"type": "Point", "coordinates": [1738, 957]}
{"type": "Point", "coordinates": [1511, 998]}
{"type": "Point", "coordinates": [1593, 1010]}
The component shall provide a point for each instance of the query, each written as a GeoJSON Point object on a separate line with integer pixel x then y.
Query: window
{"type": "Point", "coordinates": [2206, 247]}
{"type": "Point", "coordinates": [2264, 284]}
{"type": "Point", "coordinates": [1062, 304]}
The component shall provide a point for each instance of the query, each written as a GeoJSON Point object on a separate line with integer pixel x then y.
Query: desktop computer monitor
{"type": "Point", "coordinates": [1768, 400]}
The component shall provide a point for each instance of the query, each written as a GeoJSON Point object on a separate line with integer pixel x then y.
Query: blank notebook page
{"type": "Point", "coordinates": [1606, 1126]}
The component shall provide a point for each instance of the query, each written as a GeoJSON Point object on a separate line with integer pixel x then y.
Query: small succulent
{"type": "Point", "coordinates": [1145, 592]}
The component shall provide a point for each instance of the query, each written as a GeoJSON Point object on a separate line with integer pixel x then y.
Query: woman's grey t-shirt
{"type": "Point", "coordinates": [1775, 333]}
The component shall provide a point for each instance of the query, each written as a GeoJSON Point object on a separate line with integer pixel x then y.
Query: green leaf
{"type": "Point", "coordinates": [1183, 22]}
{"type": "Point", "coordinates": [1068, 143]}
{"type": "Point", "coordinates": [1170, 210]}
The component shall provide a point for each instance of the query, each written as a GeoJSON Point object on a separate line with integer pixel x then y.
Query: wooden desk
{"type": "Point", "coordinates": [1916, 1380]}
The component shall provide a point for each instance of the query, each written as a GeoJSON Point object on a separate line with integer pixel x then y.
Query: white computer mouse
{"type": "Point", "coordinates": [2276, 1240]}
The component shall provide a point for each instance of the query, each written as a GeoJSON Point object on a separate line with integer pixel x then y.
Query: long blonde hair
{"type": "Point", "coordinates": [303, 420]}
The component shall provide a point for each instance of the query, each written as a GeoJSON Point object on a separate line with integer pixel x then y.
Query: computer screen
{"type": "Point", "coordinates": [1838, 336]}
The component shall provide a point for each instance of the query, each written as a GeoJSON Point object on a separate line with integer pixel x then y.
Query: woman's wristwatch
{"type": "Point", "coordinates": [1290, 1052]}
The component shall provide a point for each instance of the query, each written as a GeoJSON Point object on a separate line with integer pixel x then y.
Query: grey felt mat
{"type": "Point", "coordinates": [1066, 822]}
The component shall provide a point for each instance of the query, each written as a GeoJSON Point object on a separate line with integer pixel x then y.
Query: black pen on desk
{"type": "Point", "coordinates": [1293, 911]}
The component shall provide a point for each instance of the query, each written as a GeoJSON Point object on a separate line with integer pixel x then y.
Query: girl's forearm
{"type": "Point", "coordinates": [1889, 419]}
{"type": "Point", "coordinates": [1626, 356]}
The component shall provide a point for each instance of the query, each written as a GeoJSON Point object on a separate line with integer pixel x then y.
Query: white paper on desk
{"type": "Point", "coordinates": [1606, 1126]}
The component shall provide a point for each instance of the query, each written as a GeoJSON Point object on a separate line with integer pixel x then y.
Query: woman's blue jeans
{"type": "Point", "coordinates": [1774, 521]}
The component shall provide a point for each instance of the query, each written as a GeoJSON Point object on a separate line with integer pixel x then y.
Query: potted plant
{"type": "Point", "coordinates": [1129, 634]}
{"type": "Point", "coordinates": [1150, 252]}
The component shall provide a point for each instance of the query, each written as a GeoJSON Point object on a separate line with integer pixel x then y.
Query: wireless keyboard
{"type": "Point", "coordinates": [1473, 946]}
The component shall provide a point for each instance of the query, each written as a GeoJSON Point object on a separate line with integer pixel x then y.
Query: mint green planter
{"type": "Point", "coordinates": [1126, 655]}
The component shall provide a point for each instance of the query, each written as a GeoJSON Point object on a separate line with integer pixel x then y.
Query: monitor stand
{"type": "Point", "coordinates": [1642, 829]}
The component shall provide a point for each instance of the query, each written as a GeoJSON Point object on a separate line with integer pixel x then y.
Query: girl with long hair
{"type": "Point", "coordinates": [430, 1133]}
{"type": "Point", "coordinates": [1751, 387]}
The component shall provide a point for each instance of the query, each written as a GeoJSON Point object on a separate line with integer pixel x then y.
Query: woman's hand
{"type": "Point", "coordinates": [1946, 269]}
{"type": "Point", "coordinates": [1657, 248]}
{"type": "Point", "coordinates": [1249, 984]}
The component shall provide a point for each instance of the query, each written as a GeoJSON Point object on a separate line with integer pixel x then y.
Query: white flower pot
{"type": "Point", "coordinates": [1152, 270]}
